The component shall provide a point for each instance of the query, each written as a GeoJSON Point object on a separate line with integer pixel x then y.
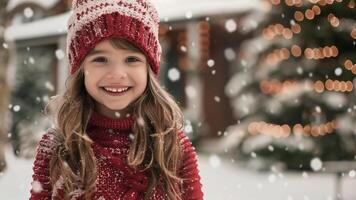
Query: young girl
{"type": "Point", "coordinates": [118, 134]}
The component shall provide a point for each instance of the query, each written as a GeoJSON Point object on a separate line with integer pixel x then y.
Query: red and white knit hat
{"type": "Point", "coordinates": [93, 21]}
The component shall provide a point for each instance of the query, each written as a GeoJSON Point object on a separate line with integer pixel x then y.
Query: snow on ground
{"type": "Point", "coordinates": [221, 180]}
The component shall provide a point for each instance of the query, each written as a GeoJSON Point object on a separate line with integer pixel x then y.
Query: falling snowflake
{"type": "Point", "coordinates": [188, 128]}
{"type": "Point", "coordinates": [214, 161]}
{"type": "Point", "coordinates": [272, 178]}
{"type": "Point", "coordinates": [183, 48]}
{"type": "Point", "coordinates": [229, 54]}
{"type": "Point", "coordinates": [16, 108]}
{"type": "Point", "coordinates": [230, 25]}
{"type": "Point", "coordinates": [28, 12]}
{"type": "Point", "coordinates": [338, 71]}
{"type": "Point", "coordinates": [270, 148]}
{"type": "Point", "coordinates": [316, 164]}
{"type": "Point", "coordinates": [59, 54]}
{"type": "Point", "coordinates": [318, 109]}
{"type": "Point", "coordinates": [217, 99]}
{"type": "Point", "coordinates": [253, 155]}
{"type": "Point", "coordinates": [37, 186]}
{"type": "Point", "coordinates": [190, 91]}
{"type": "Point", "coordinates": [189, 14]}
{"type": "Point", "coordinates": [140, 121]}
{"type": "Point", "coordinates": [174, 74]}
{"type": "Point", "coordinates": [31, 60]}
{"type": "Point", "coordinates": [49, 86]}
{"type": "Point", "coordinates": [211, 62]}
{"type": "Point", "coordinates": [5, 45]}
{"type": "Point", "coordinates": [305, 175]}
{"type": "Point", "coordinates": [131, 136]}
{"type": "Point", "coordinates": [117, 114]}
{"type": "Point", "coordinates": [45, 98]}
{"type": "Point", "coordinates": [299, 70]}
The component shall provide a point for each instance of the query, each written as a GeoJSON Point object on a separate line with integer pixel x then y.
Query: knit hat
{"type": "Point", "coordinates": [93, 21]}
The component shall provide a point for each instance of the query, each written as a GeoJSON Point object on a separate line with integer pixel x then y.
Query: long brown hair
{"type": "Point", "coordinates": [155, 144]}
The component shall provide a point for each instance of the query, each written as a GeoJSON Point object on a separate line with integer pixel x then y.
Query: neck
{"type": "Point", "coordinates": [115, 114]}
{"type": "Point", "coordinates": [102, 121]}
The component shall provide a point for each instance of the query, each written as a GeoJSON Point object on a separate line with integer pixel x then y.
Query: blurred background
{"type": "Point", "coordinates": [267, 88]}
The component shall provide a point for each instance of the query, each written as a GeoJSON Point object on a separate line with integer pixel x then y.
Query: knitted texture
{"type": "Point", "coordinates": [116, 180]}
{"type": "Point", "coordinates": [93, 21]}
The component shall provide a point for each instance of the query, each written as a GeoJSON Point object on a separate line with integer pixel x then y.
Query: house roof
{"type": "Point", "coordinates": [169, 10]}
{"type": "Point", "coordinates": [45, 4]}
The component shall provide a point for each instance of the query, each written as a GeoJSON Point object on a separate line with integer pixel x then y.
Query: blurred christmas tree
{"type": "Point", "coordinates": [294, 93]}
{"type": "Point", "coordinates": [34, 86]}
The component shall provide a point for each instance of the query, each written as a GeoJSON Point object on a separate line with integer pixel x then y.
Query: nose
{"type": "Point", "coordinates": [117, 72]}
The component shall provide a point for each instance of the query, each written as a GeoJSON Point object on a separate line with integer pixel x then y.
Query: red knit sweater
{"type": "Point", "coordinates": [116, 181]}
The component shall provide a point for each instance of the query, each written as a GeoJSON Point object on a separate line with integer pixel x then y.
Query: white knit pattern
{"type": "Point", "coordinates": [150, 19]}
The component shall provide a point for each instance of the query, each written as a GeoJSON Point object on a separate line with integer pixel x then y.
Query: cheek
{"type": "Point", "coordinates": [144, 79]}
{"type": "Point", "coordinates": [89, 80]}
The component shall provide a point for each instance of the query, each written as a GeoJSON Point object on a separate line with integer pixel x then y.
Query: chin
{"type": "Point", "coordinates": [116, 107]}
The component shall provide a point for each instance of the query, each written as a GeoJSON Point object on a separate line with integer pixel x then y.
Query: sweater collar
{"type": "Point", "coordinates": [99, 120]}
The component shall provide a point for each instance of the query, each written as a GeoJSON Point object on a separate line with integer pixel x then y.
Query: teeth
{"type": "Point", "coordinates": [116, 90]}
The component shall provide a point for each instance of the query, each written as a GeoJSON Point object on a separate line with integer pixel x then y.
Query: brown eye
{"type": "Point", "coordinates": [100, 60]}
{"type": "Point", "coordinates": [132, 59]}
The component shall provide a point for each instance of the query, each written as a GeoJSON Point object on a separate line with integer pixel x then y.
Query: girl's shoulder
{"type": "Point", "coordinates": [48, 142]}
{"type": "Point", "coordinates": [184, 140]}
{"type": "Point", "coordinates": [182, 137]}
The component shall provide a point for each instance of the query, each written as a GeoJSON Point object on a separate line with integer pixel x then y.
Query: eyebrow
{"type": "Point", "coordinates": [95, 51]}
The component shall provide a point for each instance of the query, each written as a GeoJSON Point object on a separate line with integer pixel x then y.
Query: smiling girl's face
{"type": "Point", "coordinates": [114, 78]}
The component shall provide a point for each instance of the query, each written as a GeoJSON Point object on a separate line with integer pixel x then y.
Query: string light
{"type": "Point", "coordinates": [333, 85]}
{"type": "Point", "coordinates": [333, 20]}
{"type": "Point", "coordinates": [296, 28]}
{"type": "Point", "coordinates": [299, 16]}
{"type": "Point", "coordinates": [283, 131]}
{"type": "Point", "coordinates": [309, 14]}
{"type": "Point", "coordinates": [321, 52]}
{"type": "Point", "coordinates": [350, 66]}
{"type": "Point", "coordinates": [353, 33]}
{"type": "Point", "coordinates": [274, 30]}
{"type": "Point", "coordinates": [275, 87]}
{"type": "Point", "coordinates": [297, 3]}
{"type": "Point", "coordinates": [296, 51]}
{"type": "Point", "coordinates": [277, 56]}
{"type": "Point", "coordinates": [316, 9]}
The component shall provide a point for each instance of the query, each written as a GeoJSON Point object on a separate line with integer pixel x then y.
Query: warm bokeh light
{"type": "Point", "coordinates": [316, 9]}
{"type": "Point", "coordinates": [296, 51]}
{"type": "Point", "coordinates": [298, 16]}
{"type": "Point", "coordinates": [285, 130]}
{"type": "Point", "coordinates": [353, 33]}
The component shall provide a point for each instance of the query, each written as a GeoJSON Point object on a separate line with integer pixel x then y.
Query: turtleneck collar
{"type": "Point", "coordinates": [99, 120]}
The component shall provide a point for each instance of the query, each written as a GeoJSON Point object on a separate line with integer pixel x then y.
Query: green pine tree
{"type": "Point", "coordinates": [279, 52]}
